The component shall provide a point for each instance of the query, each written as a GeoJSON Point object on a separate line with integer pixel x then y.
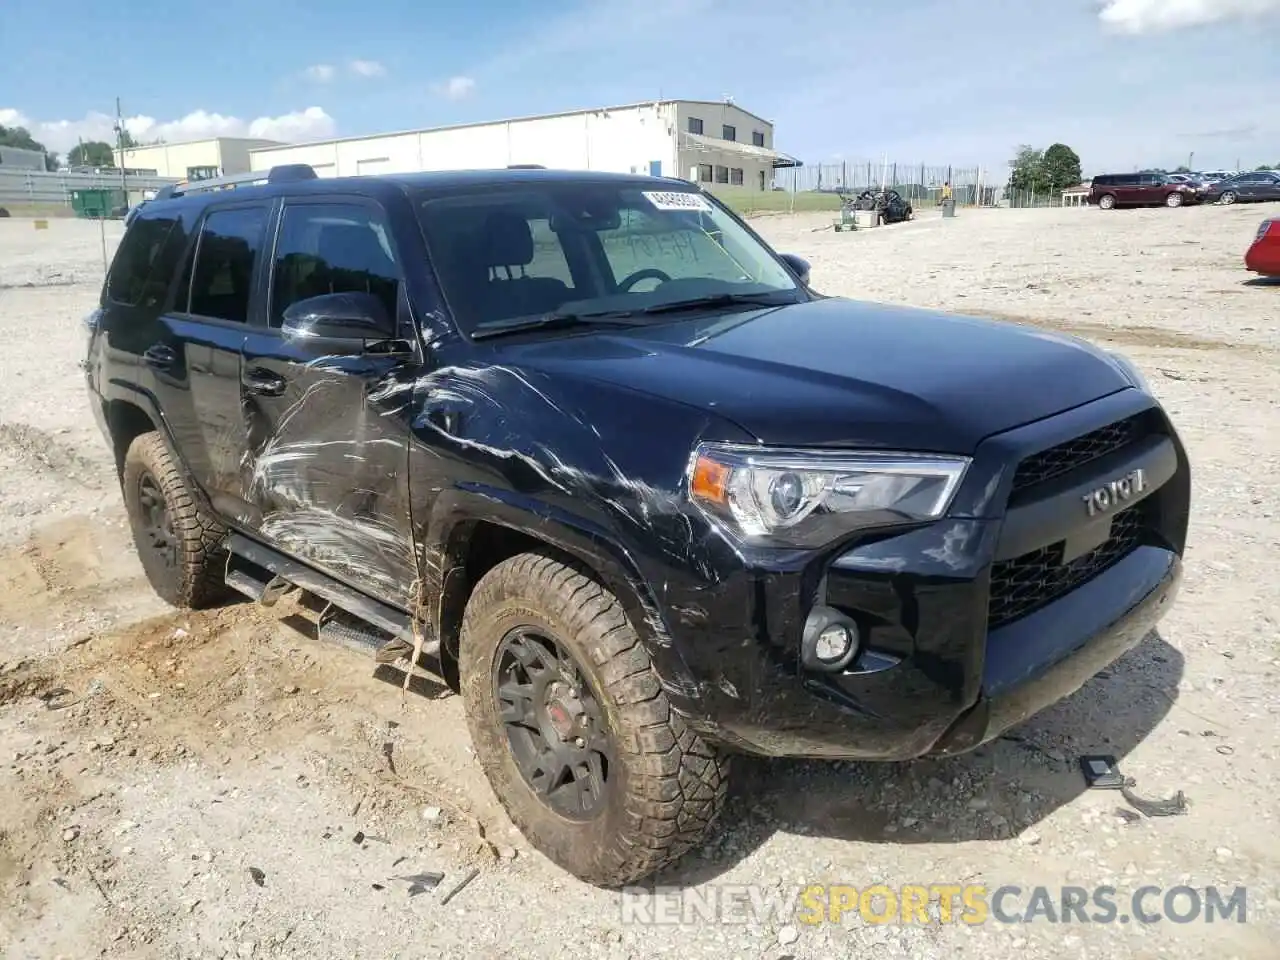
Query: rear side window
{"type": "Point", "coordinates": [145, 262]}
{"type": "Point", "coordinates": [226, 254]}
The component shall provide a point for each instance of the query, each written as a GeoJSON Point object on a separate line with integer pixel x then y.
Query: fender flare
{"type": "Point", "coordinates": [445, 537]}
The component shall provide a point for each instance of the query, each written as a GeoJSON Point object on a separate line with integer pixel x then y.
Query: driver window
{"type": "Point", "coordinates": [679, 249]}
{"type": "Point", "coordinates": [332, 248]}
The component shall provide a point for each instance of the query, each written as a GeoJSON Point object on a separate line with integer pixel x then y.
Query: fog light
{"type": "Point", "coordinates": [830, 640]}
{"type": "Point", "coordinates": [833, 642]}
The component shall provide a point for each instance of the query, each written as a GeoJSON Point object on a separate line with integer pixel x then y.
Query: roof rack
{"type": "Point", "coordinates": [525, 166]}
{"type": "Point", "coordinates": [284, 173]}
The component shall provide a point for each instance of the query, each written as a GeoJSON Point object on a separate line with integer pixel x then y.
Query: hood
{"type": "Point", "coordinates": [838, 372]}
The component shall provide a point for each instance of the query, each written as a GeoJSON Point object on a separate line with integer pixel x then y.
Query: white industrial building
{"type": "Point", "coordinates": [194, 159]}
{"type": "Point", "coordinates": [707, 142]}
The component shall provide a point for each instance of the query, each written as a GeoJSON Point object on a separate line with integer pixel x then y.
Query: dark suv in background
{"type": "Point", "coordinates": [644, 496]}
{"type": "Point", "coordinates": [1141, 190]}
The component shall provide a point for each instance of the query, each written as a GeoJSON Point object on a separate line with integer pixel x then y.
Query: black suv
{"type": "Point", "coordinates": [625, 481]}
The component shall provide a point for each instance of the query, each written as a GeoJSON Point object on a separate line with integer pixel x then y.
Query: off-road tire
{"type": "Point", "coordinates": [197, 580]}
{"type": "Point", "coordinates": [1106, 202]}
{"type": "Point", "coordinates": [667, 785]}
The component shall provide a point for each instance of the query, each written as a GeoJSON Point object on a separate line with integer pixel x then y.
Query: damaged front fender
{"type": "Point", "coordinates": [470, 530]}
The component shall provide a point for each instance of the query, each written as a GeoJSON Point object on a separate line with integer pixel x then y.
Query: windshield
{"type": "Point", "coordinates": [528, 250]}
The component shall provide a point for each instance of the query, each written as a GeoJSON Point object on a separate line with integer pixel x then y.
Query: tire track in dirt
{"type": "Point", "coordinates": [27, 444]}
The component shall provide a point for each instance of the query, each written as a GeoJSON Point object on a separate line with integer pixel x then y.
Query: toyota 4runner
{"type": "Point", "coordinates": [587, 448]}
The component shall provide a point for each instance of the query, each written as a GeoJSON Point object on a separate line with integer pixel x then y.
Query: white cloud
{"type": "Point", "coordinates": [367, 68]}
{"type": "Point", "coordinates": [455, 88]}
{"type": "Point", "coordinates": [320, 72]}
{"type": "Point", "coordinates": [1151, 16]}
{"type": "Point", "coordinates": [61, 135]}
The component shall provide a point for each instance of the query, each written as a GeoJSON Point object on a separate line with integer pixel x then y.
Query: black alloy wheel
{"type": "Point", "coordinates": [555, 727]}
{"type": "Point", "coordinates": [155, 525]}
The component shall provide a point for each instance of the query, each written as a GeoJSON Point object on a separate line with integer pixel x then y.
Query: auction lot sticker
{"type": "Point", "coordinates": [677, 200]}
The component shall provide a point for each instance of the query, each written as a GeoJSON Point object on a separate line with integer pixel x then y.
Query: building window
{"type": "Point", "coordinates": [757, 139]}
{"type": "Point", "coordinates": [704, 173]}
{"type": "Point", "coordinates": [695, 125]}
{"type": "Point", "coordinates": [761, 179]}
{"type": "Point", "coordinates": [735, 177]}
{"type": "Point", "coordinates": [722, 174]}
{"type": "Point", "coordinates": [201, 173]}
{"type": "Point", "coordinates": [729, 133]}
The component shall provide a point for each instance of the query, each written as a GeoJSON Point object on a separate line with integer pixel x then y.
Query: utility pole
{"type": "Point", "coordinates": [1191, 157]}
{"type": "Point", "coordinates": [124, 188]}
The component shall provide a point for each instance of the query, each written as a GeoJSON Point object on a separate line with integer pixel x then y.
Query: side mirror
{"type": "Point", "coordinates": [339, 316]}
{"type": "Point", "coordinates": [799, 264]}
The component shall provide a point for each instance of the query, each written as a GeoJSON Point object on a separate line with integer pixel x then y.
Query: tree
{"type": "Point", "coordinates": [1026, 169]}
{"type": "Point", "coordinates": [126, 140]}
{"type": "Point", "coordinates": [94, 153]}
{"type": "Point", "coordinates": [1182, 169]}
{"type": "Point", "coordinates": [1044, 171]}
{"type": "Point", "coordinates": [21, 138]}
{"type": "Point", "coordinates": [1060, 167]}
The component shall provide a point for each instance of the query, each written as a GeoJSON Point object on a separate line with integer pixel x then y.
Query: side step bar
{"type": "Point", "coordinates": [263, 574]}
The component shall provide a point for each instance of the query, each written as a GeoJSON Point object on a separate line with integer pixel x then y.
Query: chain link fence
{"type": "Point", "coordinates": [819, 186]}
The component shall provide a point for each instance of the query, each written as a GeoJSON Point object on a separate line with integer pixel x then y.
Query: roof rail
{"type": "Point", "coordinates": [525, 166]}
{"type": "Point", "coordinates": [284, 173]}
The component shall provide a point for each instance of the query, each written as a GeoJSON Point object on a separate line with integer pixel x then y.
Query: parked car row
{"type": "Point", "coordinates": [1112, 190]}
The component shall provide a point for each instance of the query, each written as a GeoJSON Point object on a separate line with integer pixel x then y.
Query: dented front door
{"type": "Point", "coordinates": [328, 437]}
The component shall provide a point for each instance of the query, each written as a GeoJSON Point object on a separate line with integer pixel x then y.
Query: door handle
{"type": "Point", "coordinates": [263, 382]}
{"type": "Point", "coordinates": [159, 355]}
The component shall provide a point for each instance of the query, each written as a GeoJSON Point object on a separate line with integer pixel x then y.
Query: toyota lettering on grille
{"type": "Point", "coordinates": [1106, 497]}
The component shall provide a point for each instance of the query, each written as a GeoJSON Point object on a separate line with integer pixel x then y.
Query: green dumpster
{"type": "Point", "coordinates": [96, 203]}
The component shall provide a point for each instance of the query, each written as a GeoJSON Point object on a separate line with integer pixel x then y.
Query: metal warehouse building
{"type": "Point", "coordinates": [696, 140]}
{"type": "Point", "coordinates": [194, 159]}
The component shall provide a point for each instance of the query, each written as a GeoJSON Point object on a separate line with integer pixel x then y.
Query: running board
{"type": "Point", "coordinates": [263, 575]}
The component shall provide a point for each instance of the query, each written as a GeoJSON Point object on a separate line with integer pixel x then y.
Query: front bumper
{"type": "Point", "coordinates": [956, 654]}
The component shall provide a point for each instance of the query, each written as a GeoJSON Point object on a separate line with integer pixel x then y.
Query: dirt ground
{"type": "Point", "coordinates": [222, 785]}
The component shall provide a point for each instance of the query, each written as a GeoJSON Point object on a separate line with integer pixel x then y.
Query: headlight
{"type": "Point", "coordinates": [1130, 370]}
{"type": "Point", "coordinates": [807, 498]}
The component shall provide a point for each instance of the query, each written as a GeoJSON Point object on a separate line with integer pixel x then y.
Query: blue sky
{"type": "Point", "coordinates": [1126, 82]}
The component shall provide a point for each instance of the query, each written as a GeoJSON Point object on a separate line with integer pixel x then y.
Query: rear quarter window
{"type": "Point", "coordinates": [145, 261]}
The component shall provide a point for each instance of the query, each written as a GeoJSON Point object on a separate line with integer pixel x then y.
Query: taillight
{"type": "Point", "coordinates": [1263, 228]}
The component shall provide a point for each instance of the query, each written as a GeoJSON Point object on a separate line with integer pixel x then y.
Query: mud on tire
{"type": "Point", "coordinates": [666, 785]}
{"type": "Point", "coordinates": [178, 540]}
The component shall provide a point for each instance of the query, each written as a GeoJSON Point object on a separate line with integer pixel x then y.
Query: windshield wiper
{"type": "Point", "coordinates": [557, 319]}
{"type": "Point", "coordinates": [769, 299]}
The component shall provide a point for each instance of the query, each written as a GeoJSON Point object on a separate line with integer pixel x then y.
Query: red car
{"type": "Point", "coordinates": [1263, 255]}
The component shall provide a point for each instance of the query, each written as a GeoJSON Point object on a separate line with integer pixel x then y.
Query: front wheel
{"type": "Point", "coordinates": [1228, 196]}
{"type": "Point", "coordinates": [573, 729]}
{"type": "Point", "coordinates": [1106, 201]}
{"type": "Point", "coordinates": [1173, 200]}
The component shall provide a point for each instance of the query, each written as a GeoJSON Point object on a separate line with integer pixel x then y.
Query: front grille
{"type": "Point", "coordinates": [1025, 584]}
{"type": "Point", "coordinates": [1068, 456]}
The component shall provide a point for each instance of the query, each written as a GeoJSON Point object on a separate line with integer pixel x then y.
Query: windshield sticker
{"type": "Point", "coordinates": [677, 200]}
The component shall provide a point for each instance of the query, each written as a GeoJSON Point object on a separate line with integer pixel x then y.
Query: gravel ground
{"type": "Point", "coordinates": [221, 785]}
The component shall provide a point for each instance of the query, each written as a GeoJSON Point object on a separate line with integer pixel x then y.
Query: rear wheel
{"type": "Point", "coordinates": [177, 539]}
{"type": "Point", "coordinates": [1106, 201]}
{"type": "Point", "coordinates": [1173, 200]}
{"type": "Point", "coordinates": [573, 729]}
